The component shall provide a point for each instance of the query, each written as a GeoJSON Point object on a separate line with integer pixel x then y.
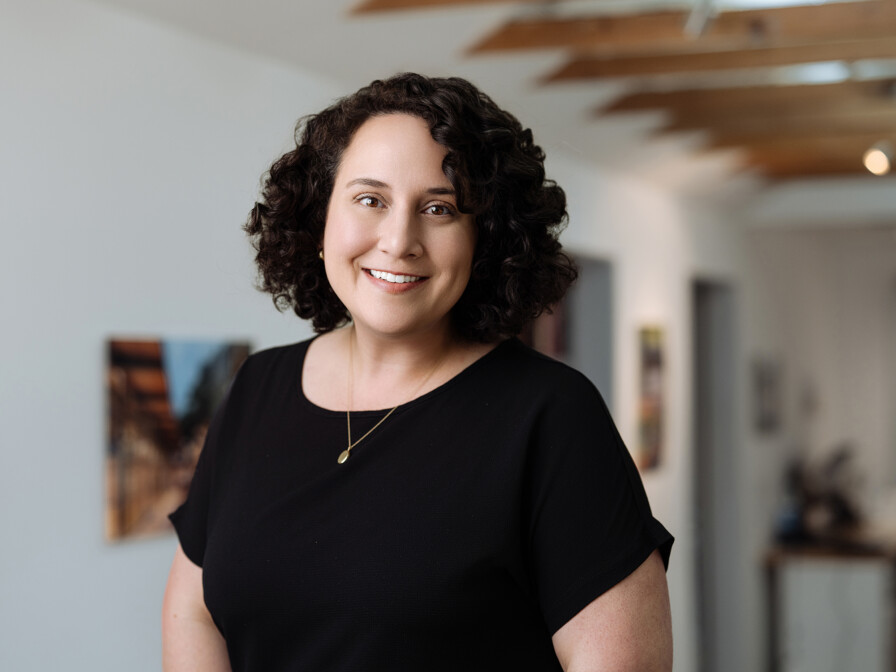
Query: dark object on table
{"type": "Point", "coordinates": [820, 505]}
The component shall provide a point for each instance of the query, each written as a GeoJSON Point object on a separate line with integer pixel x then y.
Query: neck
{"type": "Point", "coordinates": [376, 354]}
{"type": "Point", "coordinates": [388, 372]}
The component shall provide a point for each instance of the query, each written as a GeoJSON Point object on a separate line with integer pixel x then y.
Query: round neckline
{"type": "Point", "coordinates": [423, 398]}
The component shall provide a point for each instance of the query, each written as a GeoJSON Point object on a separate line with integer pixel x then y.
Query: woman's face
{"type": "Point", "coordinates": [396, 250]}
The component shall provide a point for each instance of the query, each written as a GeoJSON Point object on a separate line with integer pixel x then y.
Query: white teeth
{"type": "Point", "coordinates": [389, 277]}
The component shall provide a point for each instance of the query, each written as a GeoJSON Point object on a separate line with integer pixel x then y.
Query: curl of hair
{"type": "Point", "coordinates": [519, 268]}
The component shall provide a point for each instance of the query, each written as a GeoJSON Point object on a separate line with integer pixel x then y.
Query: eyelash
{"type": "Point", "coordinates": [377, 203]}
{"type": "Point", "coordinates": [367, 197]}
{"type": "Point", "coordinates": [448, 210]}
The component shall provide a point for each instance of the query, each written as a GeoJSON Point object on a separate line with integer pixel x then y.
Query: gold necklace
{"type": "Point", "coordinates": [345, 454]}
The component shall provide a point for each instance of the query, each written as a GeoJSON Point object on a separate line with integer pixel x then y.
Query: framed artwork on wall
{"type": "Point", "coordinates": [161, 397]}
{"type": "Point", "coordinates": [651, 402]}
{"type": "Point", "coordinates": [767, 400]}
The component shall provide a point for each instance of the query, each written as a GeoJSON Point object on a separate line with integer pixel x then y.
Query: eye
{"type": "Point", "coordinates": [369, 201]}
{"type": "Point", "coordinates": [439, 210]}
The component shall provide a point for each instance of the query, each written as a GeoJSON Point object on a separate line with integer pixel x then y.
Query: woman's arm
{"type": "Point", "coordinates": [627, 629]}
{"type": "Point", "coordinates": [190, 639]}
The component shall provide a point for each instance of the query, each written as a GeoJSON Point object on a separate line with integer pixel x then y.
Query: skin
{"type": "Point", "coordinates": [393, 210]}
{"type": "Point", "coordinates": [627, 629]}
{"type": "Point", "coordinates": [190, 639]}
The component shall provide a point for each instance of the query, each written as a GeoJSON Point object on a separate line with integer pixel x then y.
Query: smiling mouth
{"type": "Point", "coordinates": [391, 277]}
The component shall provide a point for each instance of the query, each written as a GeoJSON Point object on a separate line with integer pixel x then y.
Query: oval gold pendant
{"type": "Point", "coordinates": [343, 456]}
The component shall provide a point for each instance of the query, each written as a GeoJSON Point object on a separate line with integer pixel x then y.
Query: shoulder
{"type": "Point", "coordinates": [537, 374]}
{"type": "Point", "coordinates": [560, 409]}
{"type": "Point", "coordinates": [271, 365]}
{"type": "Point", "coordinates": [263, 378]}
{"type": "Point", "coordinates": [277, 355]}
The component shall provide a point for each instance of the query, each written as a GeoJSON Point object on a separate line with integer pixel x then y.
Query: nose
{"type": "Point", "coordinates": [399, 234]}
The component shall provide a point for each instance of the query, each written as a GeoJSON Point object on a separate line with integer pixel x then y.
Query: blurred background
{"type": "Point", "coordinates": [713, 154]}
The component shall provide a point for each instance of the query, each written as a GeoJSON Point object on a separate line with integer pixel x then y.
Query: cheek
{"type": "Point", "coordinates": [339, 236]}
{"type": "Point", "coordinates": [462, 265]}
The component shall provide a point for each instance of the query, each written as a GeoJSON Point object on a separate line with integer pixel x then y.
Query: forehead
{"type": "Point", "coordinates": [393, 144]}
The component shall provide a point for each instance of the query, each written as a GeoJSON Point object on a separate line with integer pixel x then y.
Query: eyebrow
{"type": "Point", "coordinates": [376, 184]}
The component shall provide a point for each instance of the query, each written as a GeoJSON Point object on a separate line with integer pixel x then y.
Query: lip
{"type": "Point", "coordinates": [394, 287]}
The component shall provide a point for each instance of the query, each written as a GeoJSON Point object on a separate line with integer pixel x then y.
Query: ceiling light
{"type": "Point", "coordinates": [879, 158]}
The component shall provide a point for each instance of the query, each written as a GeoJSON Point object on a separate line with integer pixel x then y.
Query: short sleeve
{"type": "Point", "coordinates": [590, 523]}
{"type": "Point", "coordinates": [191, 519]}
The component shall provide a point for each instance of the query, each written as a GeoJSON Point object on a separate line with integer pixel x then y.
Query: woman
{"type": "Point", "coordinates": [414, 488]}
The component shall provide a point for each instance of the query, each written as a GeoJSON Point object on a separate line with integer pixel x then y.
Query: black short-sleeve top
{"type": "Point", "coordinates": [460, 535]}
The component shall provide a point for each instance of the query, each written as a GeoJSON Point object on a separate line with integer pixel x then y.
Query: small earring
{"type": "Point", "coordinates": [320, 253]}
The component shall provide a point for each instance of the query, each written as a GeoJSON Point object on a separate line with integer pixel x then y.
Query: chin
{"type": "Point", "coordinates": [397, 328]}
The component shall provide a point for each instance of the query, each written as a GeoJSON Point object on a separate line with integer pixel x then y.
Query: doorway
{"type": "Point", "coordinates": [716, 543]}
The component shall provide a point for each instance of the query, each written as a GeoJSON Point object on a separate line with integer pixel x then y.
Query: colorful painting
{"type": "Point", "coordinates": [161, 397]}
{"type": "Point", "coordinates": [651, 403]}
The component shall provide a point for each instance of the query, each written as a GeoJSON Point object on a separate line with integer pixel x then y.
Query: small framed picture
{"type": "Point", "coordinates": [766, 395]}
{"type": "Point", "coordinates": [651, 404]}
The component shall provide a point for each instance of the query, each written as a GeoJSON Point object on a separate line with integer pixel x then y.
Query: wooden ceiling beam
{"type": "Point", "coordinates": [605, 67]}
{"type": "Point", "coordinates": [810, 120]}
{"type": "Point", "coordinates": [802, 167]}
{"type": "Point", "coordinates": [818, 143]}
{"type": "Point", "coordinates": [663, 32]}
{"type": "Point", "coordinates": [786, 163]}
{"type": "Point", "coordinates": [371, 6]}
{"type": "Point", "coordinates": [774, 98]}
{"type": "Point", "coordinates": [806, 160]}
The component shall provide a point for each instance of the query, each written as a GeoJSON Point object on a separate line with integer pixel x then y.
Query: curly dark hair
{"type": "Point", "coordinates": [519, 268]}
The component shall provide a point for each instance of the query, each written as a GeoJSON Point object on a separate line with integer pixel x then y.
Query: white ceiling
{"type": "Point", "coordinates": [322, 36]}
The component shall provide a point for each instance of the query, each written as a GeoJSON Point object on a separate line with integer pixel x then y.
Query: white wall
{"type": "Point", "coordinates": [129, 157]}
{"type": "Point", "coordinates": [831, 202]}
{"type": "Point", "coordinates": [822, 302]}
{"type": "Point", "coordinates": [834, 300]}
{"type": "Point", "coordinates": [130, 154]}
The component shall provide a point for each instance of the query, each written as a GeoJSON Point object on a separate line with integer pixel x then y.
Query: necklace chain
{"type": "Point", "coordinates": [348, 415]}
{"type": "Point", "coordinates": [345, 454]}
